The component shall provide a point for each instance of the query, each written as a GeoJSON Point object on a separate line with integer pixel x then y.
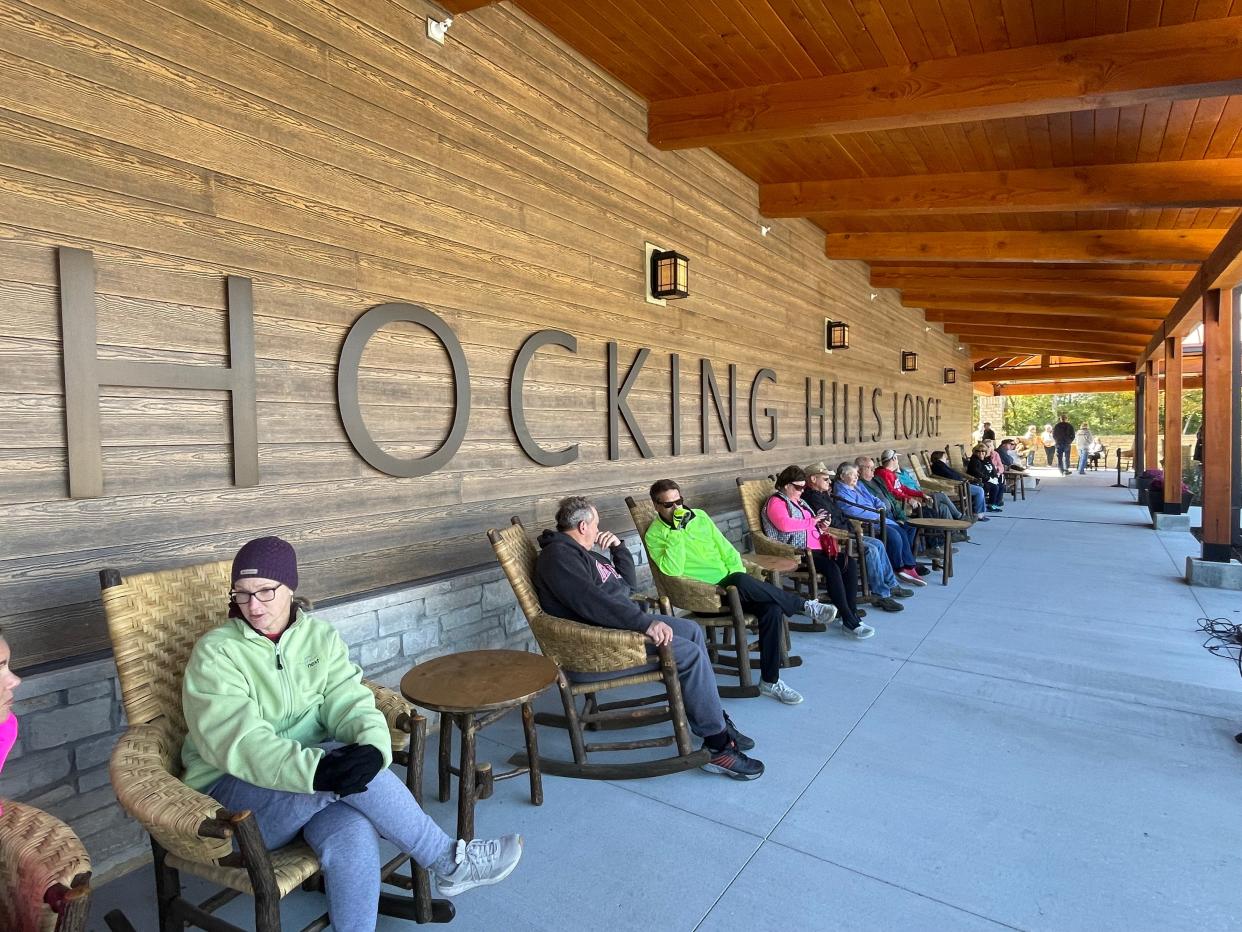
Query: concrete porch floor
{"type": "Point", "coordinates": [1044, 744]}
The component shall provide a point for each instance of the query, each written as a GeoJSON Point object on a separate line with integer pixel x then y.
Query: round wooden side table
{"type": "Point", "coordinates": [471, 690]}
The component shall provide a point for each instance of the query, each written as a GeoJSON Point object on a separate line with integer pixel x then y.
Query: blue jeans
{"type": "Point", "coordinates": [1082, 462]}
{"type": "Point", "coordinates": [977, 499]}
{"type": "Point", "coordinates": [880, 575]}
{"type": "Point", "coordinates": [344, 833]}
{"type": "Point", "coordinates": [899, 544]}
{"type": "Point", "coordinates": [1063, 458]}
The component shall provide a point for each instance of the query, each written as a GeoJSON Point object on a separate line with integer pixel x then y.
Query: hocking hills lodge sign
{"type": "Point", "coordinates": [861, 411]}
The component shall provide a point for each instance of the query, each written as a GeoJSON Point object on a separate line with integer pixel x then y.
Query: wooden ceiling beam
{"type": "Point", "coordinates": [999, 342]}
{"type": "Point", "coordinates": [1039, 304]}
{"type": "Point", "coordinates": [1148, 246]}
{"type": "Point", "coordinates": [1102, 355]}
{"type": "Point", "coordinates": [1136, 186]}
{"type": "Point", "coordinates": [1064, 388]}
{"type": "Point", "coordinates": [1090, 371]}
{"type": "Point", "coordinates": [1124, 343]}
{"type": "Point", "coordinates": [1014, 283]}
{"type": "Point", "coordinates": [1137, 326]}
{"type": "Point", "coordinates": [1185, 61]}
{"type": "Point", "coordinates": [1221, 269]}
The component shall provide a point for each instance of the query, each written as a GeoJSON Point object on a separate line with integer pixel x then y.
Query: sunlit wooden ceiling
{"type": "Point", "coordinates": [1044, 177]}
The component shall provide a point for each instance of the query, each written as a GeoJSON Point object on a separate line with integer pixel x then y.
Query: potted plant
{"type": "Point", "coordinates": [1155, 493]}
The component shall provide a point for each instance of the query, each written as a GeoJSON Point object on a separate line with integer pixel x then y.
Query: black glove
{"type": "Point", "coordinates": [348, 769]}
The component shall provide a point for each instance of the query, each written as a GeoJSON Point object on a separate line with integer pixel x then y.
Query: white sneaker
{"type": "Point", "coordinates": [781, 691]}
{"type": "Point", "coordinates": [861, 632]}
{"type": "Point", "coordinates": [480, 863]}
{"type": "Point", "coordinates": [821, 612]}
{"type": "Point", "coordinates": [913, 579]}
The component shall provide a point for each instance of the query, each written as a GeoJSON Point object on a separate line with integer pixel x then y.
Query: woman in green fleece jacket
{"type": "Point", "coordinates": [280, 723]}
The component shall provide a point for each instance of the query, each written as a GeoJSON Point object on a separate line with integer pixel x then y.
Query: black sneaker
{"type": "Point", "coordinates": [890, 605]}
{"type": "Point", "coordinates": [731, 762]}
{"type": "Point", "coordinates": [743, 742]}
{"type": "Point", "coordinates": [923, 569]}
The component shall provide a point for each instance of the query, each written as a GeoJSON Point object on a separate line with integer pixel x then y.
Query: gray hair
{"type": "Point", "coordinates": [572, 511]}
{"type": "Point", "coordinates": [844, 469]}
{"type": "Point", "coordinates": [861, 461]}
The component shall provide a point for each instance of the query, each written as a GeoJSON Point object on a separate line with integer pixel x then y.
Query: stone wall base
{"type": "Point", "coordinates": [1163, 522]}
{"type": "Point", "coordinates": [1213, 575]}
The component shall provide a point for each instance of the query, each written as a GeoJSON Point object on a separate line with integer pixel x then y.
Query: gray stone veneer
{"type": "Point", "coordinates": [71, 718]}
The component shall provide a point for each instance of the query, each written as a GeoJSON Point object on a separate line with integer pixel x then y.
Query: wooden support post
{"type": "Point", "coordinates": [1140, 425]}
{"type": "Point", "coordinates": [1219, 424]}
{"type": "Point", "coordinates": [1151, 415]}
{"type": "Point", "coordinates": [1173, 426]}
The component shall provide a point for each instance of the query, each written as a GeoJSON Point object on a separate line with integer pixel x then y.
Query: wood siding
{"type": "Point", "coordinates": [339, 160]}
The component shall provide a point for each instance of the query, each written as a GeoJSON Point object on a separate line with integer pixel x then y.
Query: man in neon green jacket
{"type": "Point", "coordinates": [683, 542]}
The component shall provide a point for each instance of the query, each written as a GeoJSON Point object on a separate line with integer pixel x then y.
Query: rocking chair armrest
{"type": "Point", "coordinates": [753, 569]}
{"type": "Point", "coordinates": [398, 713]}
{"type": "Point", "coordinates": [839, 533]}
{"type": "Point", "coordinates": [772, 548]}
{"type": "Point", "coordinates": [651, 603]}
{"type": "Point", "coordinates": [183, 820]}
{"type": "Point", "coordinates": [693, 595]}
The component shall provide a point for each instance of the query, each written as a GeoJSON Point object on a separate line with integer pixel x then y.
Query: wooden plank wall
{"type": "Point", "coordinates": [339, 159]}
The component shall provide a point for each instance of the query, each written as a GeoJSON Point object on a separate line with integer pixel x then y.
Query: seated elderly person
{"type": "Point", "coordinates": [685, 542]}
{"type": "Point", "coordinates": [8, 684]}
{"type": "Point", "coordinates": [1008, 453]}
{"type": "Point", "coordinates": [575, 582]}
{"type": "Point", "coordinates": [934, 504]}
{"type": "Point", "coordinates": [895, 517]}
{"type": "Point", "coordinates": [940, 468]}
{"type": "Point", "coordinates": [280, 724]}
{"type": "Point", "coordinates": [880, 574]}
{"type": "Point", "coordinates": [983, 470]}
{"type": "Point", "coordinates": [789, 520]}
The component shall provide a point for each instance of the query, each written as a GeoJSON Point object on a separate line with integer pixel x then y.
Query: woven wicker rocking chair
{"type": "Point", "coordinates": [614, 659]}
{"type": "Point", "coordinates": [716, 608]}
{"type": "Point", "coordinates": [755, 493]}
{"type": "Point", "coordinates": [154, 620]}
{"type": "Point", "coordinates": [45, 873]}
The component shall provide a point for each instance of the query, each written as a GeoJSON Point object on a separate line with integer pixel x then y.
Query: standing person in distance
{"type": "Point", "coordinates": [1085, 440]}
{"type": "Point", "coordinates": [1063, 436]}
{"type": "Point", "coordinates": [1049, 442]}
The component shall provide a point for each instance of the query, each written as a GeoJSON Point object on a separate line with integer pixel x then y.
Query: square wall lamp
{"type": "Point", "coordinates": [909, 361]}
{"type": "Point", "coordinates": [668, 274]}
{"type": "Point", "coordinates": [950, 376]}
{"type": "Point", "coordinates": [836, 335]}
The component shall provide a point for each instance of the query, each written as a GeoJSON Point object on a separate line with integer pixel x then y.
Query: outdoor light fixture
{"type": "Point", "coordinates": [764, 229]}
{"type": "Point", "coordinates": [670, 274]}
{"type": "Point", "coordinates": [950, 376]}
{"type": "Point", "coordinates": [836, 335]}
{"type": "Point", "coordinates": [436, 28]}
{"type": "Point", "coordinates": [909, 361]}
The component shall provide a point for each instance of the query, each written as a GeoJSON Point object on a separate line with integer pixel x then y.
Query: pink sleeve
{"type": "Point", "coordinates": [8, 737]}
{"type": "Point", "coordinates": [778, 514]}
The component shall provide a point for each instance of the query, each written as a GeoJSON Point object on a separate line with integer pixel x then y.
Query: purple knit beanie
{"type": "Point", "coordinates": [267, 558]}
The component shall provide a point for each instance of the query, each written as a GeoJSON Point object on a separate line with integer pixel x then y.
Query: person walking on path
{"type": "Point", "coordinates": [1050, 444]}
{"type": "Point", "coordinates": [1085, 440]}
{"type": "Point", "coordinates": [1063, 436]}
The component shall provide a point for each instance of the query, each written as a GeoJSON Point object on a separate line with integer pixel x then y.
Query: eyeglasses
{"type": "Point", "coordinates": [798, 485]}
{"type": "Point", "coordinates": [675, 503]}
{"type": "Point", "coordinates": [263, 595]}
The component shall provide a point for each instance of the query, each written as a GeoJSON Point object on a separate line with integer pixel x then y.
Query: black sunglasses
{"type": "Point", "coordinates": [675, 503]}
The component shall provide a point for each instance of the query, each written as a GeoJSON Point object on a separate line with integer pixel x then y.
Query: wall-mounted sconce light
{"type": "Point", "coordinates": [909, 361]}
{"type": "Point", "coordinates": [436, 28]}
{"type": "Point", "coordinates": [874, 295]}
{"type": "Point", "coordinates": [764, 229]}
{"type": "Point", "coordinates": [950, 376]}
{"type": "Point", "coordinates": [667, 274]}
{"type": "Point", "coordinates": [836, 335]}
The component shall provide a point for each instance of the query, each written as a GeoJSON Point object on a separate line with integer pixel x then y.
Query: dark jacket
{"type": "Point", "coordinates": [582, 585]}
{"type": "Point", "coordinates": [823, 501]}
{"type": "Point", "coordinates": [878, 489]}
{"type": "Point", "coordinates": [1063, 433]}
{"type": "Point", "coordinates": [945, 471]}
{"type": "Point", "coordinates": [988, 434]}
{"type": "Point", "coordinates": [981, 468]}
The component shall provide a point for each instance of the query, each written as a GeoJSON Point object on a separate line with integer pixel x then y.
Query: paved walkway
{"type": "Point", "coordinates": [1042, 745]}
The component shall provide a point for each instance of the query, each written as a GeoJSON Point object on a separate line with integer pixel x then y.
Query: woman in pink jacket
{"type": "Point", "coordinates": [790, 520]}
{"type": "Point", "coordinates": [8, 721]}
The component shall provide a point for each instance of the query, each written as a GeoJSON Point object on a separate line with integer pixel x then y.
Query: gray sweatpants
{"type": "Point", "coordinates": [694, 671]}
{"type": "Point", "coordinates": [344, 832]}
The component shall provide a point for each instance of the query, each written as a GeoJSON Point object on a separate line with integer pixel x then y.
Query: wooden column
{"type": "Point", "coordinates": [1219, 420]}
{"type": "Point", "coordinates": [1140, 428]}
{"type": "Point", "coordinates": [1173, 426]}
{"type": "Point", "coordinates": [1151, 416]}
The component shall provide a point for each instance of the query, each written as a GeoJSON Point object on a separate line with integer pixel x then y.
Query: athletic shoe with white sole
{"type": "Point", "coordinates": [912, 578]}
{"type": "Point", "coordinates": [821, 612]}
{"type": "Point", "coordinates": [781, 691]}
{"type": "Point", "coordinates": [861, 632]}
{"type": "Point", "coordinates": [733, 763]}
{"type": "Point", "coordinates": [480, 863]}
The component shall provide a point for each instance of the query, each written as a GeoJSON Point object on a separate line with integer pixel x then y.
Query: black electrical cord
{"type": "Point", "coordinates": [1224, 639]}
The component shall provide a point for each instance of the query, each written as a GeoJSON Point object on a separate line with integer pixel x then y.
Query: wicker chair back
{"type": "Point", "coordinates": [42, 862]}
{"type": "Point", "coordinates": [755, 494]}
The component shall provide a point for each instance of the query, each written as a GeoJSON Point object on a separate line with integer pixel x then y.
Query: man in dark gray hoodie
{"type": "Point", "coordinates": [575, 582]}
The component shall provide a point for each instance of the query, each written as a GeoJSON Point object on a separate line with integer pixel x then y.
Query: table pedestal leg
{"type": "Point", "coordinates": [467, 785]}
{"type": "Point", "coordinates": [532, 754]}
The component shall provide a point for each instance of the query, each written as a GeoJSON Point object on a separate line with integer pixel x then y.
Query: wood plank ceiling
{"type": "Point", "coordinates": [1042, 176]}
